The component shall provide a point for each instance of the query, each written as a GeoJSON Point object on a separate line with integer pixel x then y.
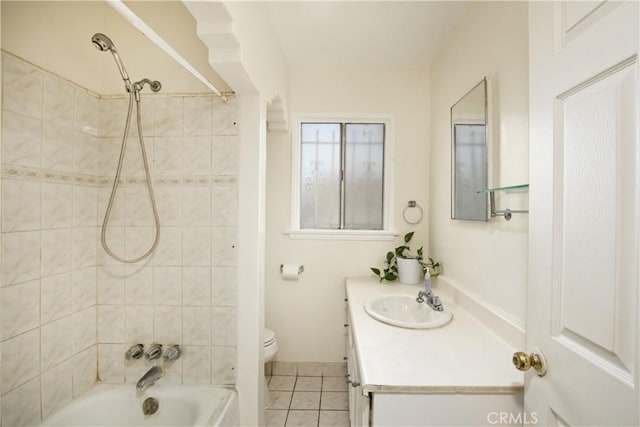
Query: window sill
{"type": "Point", "coordinates": [374, 235]}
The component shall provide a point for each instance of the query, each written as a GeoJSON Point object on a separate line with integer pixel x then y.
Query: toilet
{"type": "Point", "coordinates": [270, 345]}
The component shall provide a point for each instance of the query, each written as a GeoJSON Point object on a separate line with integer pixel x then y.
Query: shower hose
{"type": "Point", "coordinates": [116, 182]}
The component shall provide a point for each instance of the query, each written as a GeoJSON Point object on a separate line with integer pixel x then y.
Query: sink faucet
{"type": "Point", "coordinates": [432, 300]}
{"type": "Point", "coordinates": [149, 378]}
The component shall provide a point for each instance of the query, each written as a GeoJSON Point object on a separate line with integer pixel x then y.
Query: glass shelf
{"type": "Point", "coordinates": [508, 188]}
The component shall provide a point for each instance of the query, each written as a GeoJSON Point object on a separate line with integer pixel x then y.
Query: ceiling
{"type": "Point", "coordinates": [371, 33]}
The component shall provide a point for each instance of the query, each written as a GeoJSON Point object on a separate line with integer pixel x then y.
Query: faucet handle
{"type": "Point", "coordinates": [154, 352]}
{"type": "Point", "coordinates": [173, 352]}
{"type": "Point", "coordinates": [135, 352]}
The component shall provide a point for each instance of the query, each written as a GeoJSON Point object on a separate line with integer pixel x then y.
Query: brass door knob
{"type": "Point", "coordinates": [536, 360]}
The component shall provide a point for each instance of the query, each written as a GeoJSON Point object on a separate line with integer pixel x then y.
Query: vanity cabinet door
{"type": "Point", "coordinates": [358, 403]}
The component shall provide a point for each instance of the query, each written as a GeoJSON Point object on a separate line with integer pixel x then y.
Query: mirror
{"type": "Point", "coordinates": [469, 155]}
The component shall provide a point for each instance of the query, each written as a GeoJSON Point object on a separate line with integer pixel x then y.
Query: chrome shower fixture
{"type": "Point", "coordinates": [104, 43]}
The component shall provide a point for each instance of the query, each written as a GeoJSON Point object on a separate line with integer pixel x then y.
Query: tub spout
{"type": "Point", "coordinates": [149, 378]}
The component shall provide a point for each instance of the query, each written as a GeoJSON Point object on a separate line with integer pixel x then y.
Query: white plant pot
{"type": "Point", "coordinates": [409, 271]}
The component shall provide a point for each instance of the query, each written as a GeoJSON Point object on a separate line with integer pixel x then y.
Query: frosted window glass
{"type": "Point", "coordinates": [363, 176]}
{"type": "Point", "coordinates": [320, 175]}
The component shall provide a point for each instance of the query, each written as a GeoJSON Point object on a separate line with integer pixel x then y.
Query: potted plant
{"type": "Point", "coordinates": [403, 265]}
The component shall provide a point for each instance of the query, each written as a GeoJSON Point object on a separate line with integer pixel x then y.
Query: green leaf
{"type": "Point", "coordinates": [389, 256]}
{"type": "Point", "coordinates": [400, 250]}
{"type": "Point", "coordinates": [408, 236]}
{"type": "Point", "coordinates": [390, 277]}
{"type": "Point", "coordinates": [376, 271]}
{"type": "Point", "coordinates": [420, 252]}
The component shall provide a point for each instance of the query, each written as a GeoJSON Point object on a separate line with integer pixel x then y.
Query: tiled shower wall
{"type": "Point", "coordinates": [68, 310]}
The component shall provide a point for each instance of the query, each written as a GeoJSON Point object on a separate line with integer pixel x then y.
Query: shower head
{"type": "Point", "coordinates": [104, 43]}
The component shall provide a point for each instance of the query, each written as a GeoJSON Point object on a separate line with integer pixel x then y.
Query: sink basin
{"type": "Point", "coordinates": [405, 312]}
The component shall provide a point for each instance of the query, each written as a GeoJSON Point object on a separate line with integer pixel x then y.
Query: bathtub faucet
{"type": "Point", "coordinates": [149, 378]}
{"type": "Point", "coordinates": [432, 300]}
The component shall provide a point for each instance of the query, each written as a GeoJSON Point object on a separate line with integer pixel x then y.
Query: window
{"type": "Point", "coordinates": [341, 176]}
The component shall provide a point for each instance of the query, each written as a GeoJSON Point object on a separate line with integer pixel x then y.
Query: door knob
{"type": "Point", "coordinates": [536, 360]}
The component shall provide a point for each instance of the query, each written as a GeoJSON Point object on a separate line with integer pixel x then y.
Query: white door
{"type": "Point", "coordinates": [584, 223]}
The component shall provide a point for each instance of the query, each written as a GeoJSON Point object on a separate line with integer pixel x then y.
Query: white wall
{"type": "Point", "coordinates": [308, 315]}
{"type": "Point", "coordinates": [486, 260]}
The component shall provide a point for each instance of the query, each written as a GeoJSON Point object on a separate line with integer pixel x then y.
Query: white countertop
{"type": "Point", "coordinates": [463, 356]}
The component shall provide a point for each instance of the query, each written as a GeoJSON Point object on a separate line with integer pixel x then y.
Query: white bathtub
{"type": "Point", "coordinates": [121, 405]}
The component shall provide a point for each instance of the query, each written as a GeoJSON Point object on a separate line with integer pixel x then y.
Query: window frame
{"type": "Point", "coordinates": [387, 232]}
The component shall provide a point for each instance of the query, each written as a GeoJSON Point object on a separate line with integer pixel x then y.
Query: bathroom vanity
{"type": "Point", "coordinates": [457, 374]}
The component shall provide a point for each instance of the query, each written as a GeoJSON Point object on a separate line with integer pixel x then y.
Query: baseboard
{"type": "Point", "coordinates": [503, 324]}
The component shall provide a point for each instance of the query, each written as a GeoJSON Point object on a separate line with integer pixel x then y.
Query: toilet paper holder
{"type": "Point", "coordinates": [300, 268]}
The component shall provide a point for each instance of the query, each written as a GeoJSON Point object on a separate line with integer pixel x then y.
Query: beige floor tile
{"type": "Point", "coordinates": [302, 419]}
{"type": "Point", "coordinates": [305, 400]}
{"type": "Point", "coordinates": [309, 384]}
{"type": "Point", "coordinates": [338, 400]}
{"type": "Point", "coordinates": [282, 383]}
{"type": "Point", "coordinates": [334, 419]}
{"type": "Point", "coordinates": [334, 384]}
{"type": "Point", "coordinates": [309, 369]}
{"type": "Point", "coordinates": [334, 370]}
{"type": "Point", "coordinates": [275, 417]}
{"type": "Point", "coordinates": [279, 399]}
{"type": "Point", "coordinates": [283, 368]}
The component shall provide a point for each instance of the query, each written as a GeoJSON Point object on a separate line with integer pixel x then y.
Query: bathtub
{"type": "Point", "coordinates": [121, 405]}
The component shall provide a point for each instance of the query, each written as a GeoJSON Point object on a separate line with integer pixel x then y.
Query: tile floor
{"type": "Point", "coordinates": [299, 399]}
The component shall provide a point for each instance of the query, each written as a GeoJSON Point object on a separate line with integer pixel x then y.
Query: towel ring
{"type": "Point", "coordinates": [412, 204]}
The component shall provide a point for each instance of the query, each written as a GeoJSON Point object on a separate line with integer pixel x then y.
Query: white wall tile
{"type": "Point", "coordinates": [21, 140]}
{"type": "Point", "coordinates": [20, 256]}
{"type": "Point", "coordinates": [86, 109]}
{"type": "Point", "coordinates": [57, 205]}
{"type": "Point", "coordinates": [225, 155]}
{"type": "Point", "coordinates": [57, 387]}
{"type": "Point", "coordinates": [138, 210]}
{"type": "Point", "coordinates": [196, 286]}
{"type": "Point", "coordinates": [223, 365]}
{"type": "Point", "coordinates": [133, 165]}
{"type": "Point", "coordinates": [139, 324]}
{"type": "Point", "coordinates": [116, 217]}
{"type": "Point", "coordinates": [111, 285]}
{"type": "Point", "coordinates": [56, 296]}
{"type": "Point", "coordinates": [20, 308]}
{"type": "Point", "coordinates": [224, 292]}
{"type": "Point", "coordinates": [20, 360]}
{"type": "Point", "coordinates": [137, 242]}
{"type": "Point", "coordinates": [139, 285]}
{"type": "Point", "coordinates": [85, 153]}
{"type": "Point", "coordinates": [167, 327]}
{"type": "Point", "coordinates": [85, 246]}
{"type": "Point", "coordinates": [84, 323]}
{"type": "Point", "coordinates": [84, 288]}
{"type": "Point", "coordinates": [168, 116]}
{"type": "Point", "coordinates": [148, 112]}
{"type": "Point", "coordinates": [197, 115]}
{"type": "Point", "coordinates": [169, 201]}
{"type": "Point", "coordinates": [111, 363]}
{"type": "Point", "coordinates": [196, 206]}
{"type": "Point", "coordinates": [223, 246]}
{"type": "Point", "coordinates": [224, 205]}
{"type": "Point", "coordinates": [22, 88]}
{"type": "Point", "coordinates": [85, 206]}
{"type": "Point", "coordinates": [167, 156]}
{"type": "Point", "coordinates": [196, 365]}
{"type": "Point", "coordinates": [196, 325]}
{"type": "Point", "coordinates": [111, 324]}
{"type": "Point", "coordinates": [167, 285]}
{"type": "Point", "coordinates": [135, 369]}
{"type": "Point", "coordinates": [223, 326]}
{"type": "Point", "coordinates": [108, 154]}
{"type": "Point", "coordinates": [56, 342]}
{"type": "Point", "coordinates": [196, 246]}
{"type": "Point", "coordinates": [225, 117]}
{"type": "Point", "coordinates": [59, 97]}
{"type": "Point", "coordinates": [169, 250]}
{"type": "Point", "coordinates": [114, 237]}
{"type": "Point", "coordinates": [21, 205]}
{"type": "Point", "coordinates": [84, 370]}
{"type": "Point", "coordinates": [112, 116]}
{"type": "Point", "coordinates": [21, 407]}
{"type": "Point", "coordinates": [57, 147]}
{"type": "Point", "coordinates": [56, 251]}
{"type": "Point", "coordinates": [196, 156]}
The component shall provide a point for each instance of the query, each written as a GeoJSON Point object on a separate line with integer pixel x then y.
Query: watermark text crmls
{"type": "Point", "coordinates": [511, 418]}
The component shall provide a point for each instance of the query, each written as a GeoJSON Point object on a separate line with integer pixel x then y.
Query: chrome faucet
{"type": "Point", "coordinates": [154, 352]}
{"type": "Point", "coordinates": [150, 378]}
{"type": "Point", "coordinates": [135, 352]}
{"type": "Point", "coordinates": [432, 300]}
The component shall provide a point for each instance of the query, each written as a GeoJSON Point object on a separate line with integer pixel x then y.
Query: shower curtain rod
{"type": "Point", "coordinates": [142, 26]}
